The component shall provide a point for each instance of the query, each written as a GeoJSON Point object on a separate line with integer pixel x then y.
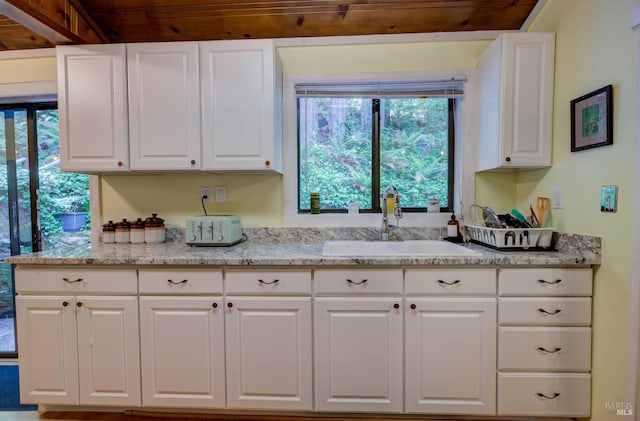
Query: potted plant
{"type": "Point", "coordinates": [73, 211]}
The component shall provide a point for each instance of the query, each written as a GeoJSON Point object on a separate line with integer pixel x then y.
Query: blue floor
{"type": "Point", "coordinates": [9, 390]}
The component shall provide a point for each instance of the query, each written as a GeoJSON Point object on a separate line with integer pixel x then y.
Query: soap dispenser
{"type": "Point", "coordinates": [453, 228]}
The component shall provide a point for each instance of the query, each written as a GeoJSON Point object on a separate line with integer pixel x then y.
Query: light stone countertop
{"type": "Point", "coordinates": [303, 247]}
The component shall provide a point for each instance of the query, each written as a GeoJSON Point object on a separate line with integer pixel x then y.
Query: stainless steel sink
{"type": "Point", "coordinates": [395, 248]}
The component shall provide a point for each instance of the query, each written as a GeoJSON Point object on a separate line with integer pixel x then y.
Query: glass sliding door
{"type": "Point", "coordinates": [35, 199]}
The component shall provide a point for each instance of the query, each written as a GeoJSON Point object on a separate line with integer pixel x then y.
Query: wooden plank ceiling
{"type": "Point", "coordinates": [95, 21]}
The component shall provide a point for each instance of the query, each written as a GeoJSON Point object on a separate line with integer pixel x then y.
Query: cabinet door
{"type": "Point", "coordinates": [515, 90]}
{"type": "Point", "coordinates": [358, 354]}
{"type": "Point", "coordinates": [450, 355]}
{"type": "Point", "coordinates": [164, 106]}
{"type": "Point", "coordinates": [47, 345]}
{"type": "Point", "coordinates": [241, 87]}
{"type": "Point", "coordinates": [108, 350]}
{"type": "Point", "coordinates": [268, 353]}
{"type": "Point", "coordinates": [182, 344]}
{"type": "Point", "coordinates": [92, 104]}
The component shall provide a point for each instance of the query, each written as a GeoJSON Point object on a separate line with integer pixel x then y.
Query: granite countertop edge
{"type": "Point", "coordinates": [297, 253]}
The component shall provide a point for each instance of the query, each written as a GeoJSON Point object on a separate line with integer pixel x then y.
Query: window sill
{"type": "Point", "coordinates": [418, 219]}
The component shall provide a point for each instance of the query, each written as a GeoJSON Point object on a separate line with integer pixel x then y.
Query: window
{"type": "Point", "coordinates": [354, 139]}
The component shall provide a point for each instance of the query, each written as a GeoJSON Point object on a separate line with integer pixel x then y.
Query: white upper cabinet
{"type": "Point", "coordinates": [515, 104]}
{"type": "Point", "coordinates": [241, 87]}
{"type": "Point", "coordinates": [92, 102]}
{"type": "Point", "coordinates": [164, 106]}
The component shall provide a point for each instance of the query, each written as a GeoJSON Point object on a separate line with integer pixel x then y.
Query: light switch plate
{"type": "Point", "coordinates": [221, 194]}
{"type": "Point", "coordinates": [609, 198]}
{"type": "Point", "coordinates": [558, 199]}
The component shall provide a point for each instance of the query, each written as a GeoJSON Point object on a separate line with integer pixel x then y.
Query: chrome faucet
{"type": "Point", "coordinates": [397, 211]}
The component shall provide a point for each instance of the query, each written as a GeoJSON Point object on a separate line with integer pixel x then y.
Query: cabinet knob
{"type": "Point", "coordinates": [413, 306]}
{"type": "Point", "coordinates": [120, 164]}
{"type": "Point", "coordinates": [396, 306]}
{"type": "Point", "coordinates": [193, 162]}
{"type": "Point", "coordinates": [215, 305]}
{"type": "Point", "coordinates": [65, 304]}
{"type": "Point", "coordinates": [267, 163]}
{"type": "Point", "coordinates": [229, 305]}
{"type": "Point", "coordinates": [79, 304]}
{"type": "Point", "coordinates": [508, 159]}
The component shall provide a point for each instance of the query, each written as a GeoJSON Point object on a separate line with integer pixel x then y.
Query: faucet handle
{"type": "Point", "coordinates": [397, 212]}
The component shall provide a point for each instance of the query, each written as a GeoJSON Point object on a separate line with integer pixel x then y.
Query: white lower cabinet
{"type": "Point", "coordinates": [182, 338]}
{"type": "Point", "coordinates": [544, 342]}
{"type": "Point", "coordinates": [268, 336]}
{"type": "Point", "coordinates": [450, 348]}
{"type": "Point", "coordinates": [358, 354]}
{"type": "Point", "coordinates": [78, 350]}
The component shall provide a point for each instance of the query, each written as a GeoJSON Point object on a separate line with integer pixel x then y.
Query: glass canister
{"type": "Point", "coordinates": [136, 234]}
{"type": "Point", "coordinates": [154, 229]}
{"type": "Point", "coordinates": [109, 232]}
{"type": "Point", "coordinates": [122, 231]}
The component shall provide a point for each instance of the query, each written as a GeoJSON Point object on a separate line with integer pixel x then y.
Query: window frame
{"type": "Point", "coordinates": [464, 161]}
{"type": "Point", "coordinates": [376, 187]}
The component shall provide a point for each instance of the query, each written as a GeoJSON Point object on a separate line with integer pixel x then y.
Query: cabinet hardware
{"type": "Point", "coordinates": [67, 280]}
{"type": "Point", "coordinates": [267, 163]}
{"type": "Point", "coordinates": [542, 395]}
{"type": "Point", "coordinates": [508, 159]}
{"type": "Point", "coordinates": [229, 305]}
{"type": "Point", "coordinates": [542, 349]}
{"type": "Point", "coordinates": [65, 303]}
{"type": "Point", "coordinates": [275, 281]}
{"type": "Point", "coordinates": [214, 305]}
{"type": "Point", "coordinates": [184, 281]}
{"type": "Point", "coordinates": [79, 304]}
{"type": "Point", "coordinates": [193, 162]}
{"type": "Point", "coordinates": [542, 281]}
{"type": "Point", "coordinates": [120, 164]}
{"type": "Point", "coordinates": [413, 306]}
{"type": "Point", "coordinates": [396, 306]}
{"type": "Point", "coordinates": [556, 311]}
{"type": "Point", "coordinates": [364, 281]}
{"type": "Point", "coordinates": [441, 282]}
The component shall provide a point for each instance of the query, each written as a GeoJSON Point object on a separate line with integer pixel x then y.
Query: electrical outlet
{"type": "Point", "coordinates": [206, 191]}
{"type": "Point", "coordinates": [221, 194]}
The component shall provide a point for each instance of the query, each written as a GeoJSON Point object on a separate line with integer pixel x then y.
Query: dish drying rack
{"type": "Point", "coordinates": [533, 239]}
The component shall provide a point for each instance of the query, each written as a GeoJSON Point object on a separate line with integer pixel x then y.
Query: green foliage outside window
{"type": "Point", "coordinates": [336, 150]}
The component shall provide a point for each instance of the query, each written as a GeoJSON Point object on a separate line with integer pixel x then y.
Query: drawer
{"type": "Point", "coordinates": [358, 281]}
{"type": "Point", "coordinates": [281, 282]}
{"type": "Point", "coordinates": [544, 394]}
{"type": "Point", "coordinates": [72, 280]}
{"type": "Point", "coordinates": [544, 348]}
{"type": "Point", "coordinates": [180, 281]}
{"type": "Point", "coordinates": [545, 282]}
{"type": "Point", "coordinates": [549, 311]}
{"type": "Point", "coordinates": [451, 281]}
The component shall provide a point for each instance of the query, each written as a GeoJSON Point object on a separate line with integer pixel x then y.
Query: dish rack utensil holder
{"type": "Point", "coordinates": [511, 238]}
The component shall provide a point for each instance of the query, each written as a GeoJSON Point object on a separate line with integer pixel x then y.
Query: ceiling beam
{"type": "Point", "coordinates": [57, 25]}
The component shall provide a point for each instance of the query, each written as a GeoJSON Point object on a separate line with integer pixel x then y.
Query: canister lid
{"type": "Point", "coordinates": [154, 221]}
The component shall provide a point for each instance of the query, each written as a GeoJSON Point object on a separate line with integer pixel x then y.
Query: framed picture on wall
{"type": "Point", "coordinates": [592, 120]}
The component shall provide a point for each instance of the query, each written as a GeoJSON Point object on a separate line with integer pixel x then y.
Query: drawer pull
{"type": "Point", "coordinates": [554, 312]}
{"type": "Point", "coordinates": [69, 281]}
{"type": "Point", "coordinates": [542, 395]}
{"type": "Point", "coordinates": [542, 349]}
{"type": "Point", "coordinates": [441, 282]}
{"type": "Point", "coordinates": [275, 281]}
{"type": "Point", "coordinates": [364, 281]}
{"type": "Point", "coordinates": [184, 281]}
{"type": "Point", "coordinates": [542, 281]}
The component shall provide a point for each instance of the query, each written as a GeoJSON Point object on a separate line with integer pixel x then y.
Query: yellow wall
{"type": "Point", "coordinates": [595, 47]}
{"type": "Point", "coordinates": [35, 69]}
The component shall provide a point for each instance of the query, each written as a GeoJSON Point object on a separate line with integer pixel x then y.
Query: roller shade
{"type": "Point", "coordinates": [447, 88]}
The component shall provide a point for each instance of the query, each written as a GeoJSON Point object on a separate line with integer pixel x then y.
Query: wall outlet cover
{"type": "Point", "coordinates": [609, 199]}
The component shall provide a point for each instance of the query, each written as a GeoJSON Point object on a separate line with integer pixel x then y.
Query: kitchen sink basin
{"type": "Point", "coordinates": [432, 248]}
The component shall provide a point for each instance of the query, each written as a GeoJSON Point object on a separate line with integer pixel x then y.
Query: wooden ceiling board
{"type": "Point", "coordinates": [96, 21]}
{"type": "Point", "coordinates": [14, 36]}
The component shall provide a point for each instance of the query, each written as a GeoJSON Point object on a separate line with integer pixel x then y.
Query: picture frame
{"type": "Point", "coordinates": [592, 119]}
